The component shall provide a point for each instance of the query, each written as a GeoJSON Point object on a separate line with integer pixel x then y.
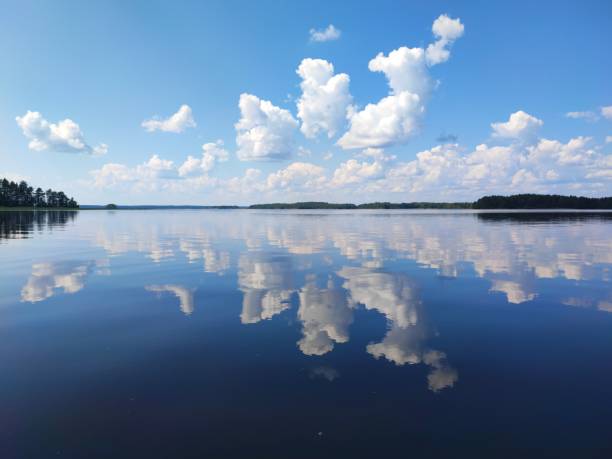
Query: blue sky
{"type": "Point", "coordinates": [428, 133]}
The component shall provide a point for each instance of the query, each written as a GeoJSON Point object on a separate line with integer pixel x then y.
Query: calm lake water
{"type": "Point", "coordinates": [305, 334]}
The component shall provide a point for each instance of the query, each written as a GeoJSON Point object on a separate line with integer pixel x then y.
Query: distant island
{"type": "Point", "coordinates": [13, 194]}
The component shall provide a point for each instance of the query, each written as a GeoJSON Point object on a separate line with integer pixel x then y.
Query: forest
{"type": "Point", "coordinates": [542, 201]}
{"type": "Point", "coordinates": [13, 194]}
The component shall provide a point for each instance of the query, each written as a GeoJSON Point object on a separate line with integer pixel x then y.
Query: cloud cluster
{"type": "Point", "coordinates": [526, 164]}
{"type": "Point", "coordinates": [264, 132]}
{"type": "Point", "coordinates": [328, 34]}
{"type": "Point", "coordinates": [396, 117]}
{"type": "Point", "coordinates": [154, 174]}
{"type": "Point", "coordinates": [176, 123]}
{"type": "Point", "coordinates": [325, 98]}
{"type": "Point", "coordinates": [212, 153]}
{"type": "Point", "coordinates": [64, 136]}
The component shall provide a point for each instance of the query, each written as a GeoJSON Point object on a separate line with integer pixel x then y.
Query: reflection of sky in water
{"type": "Point", "coordinates": [331, 276]}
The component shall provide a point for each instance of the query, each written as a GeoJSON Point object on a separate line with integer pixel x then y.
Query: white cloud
{"type": "Point", "coordinates": [606, 112]}
{"type": "Point", "coordinates": [111, 174]}
{"type": "Point", "coordinates": [298, 175]}
{"type": "Point", "coordinates": [609, 139]}
{"type": "Point", "coordinates": [520, 125]}
{"type": "Point", "coordinates": [153, 175]}
{"type": "Point", "coordinates": [396, 117]}
{"type": "Point", "coordinates": [353, 171]}
{"type": "Point", "coordinates": [211, 153]}
{"type": "Point", "coordinates": [65, 136]}
{"type": "Point", "coordinates": [447, 30]}
{"type": "Point", "coordinates": [544, 166]}
{"type": "Point", "coordinates": [405, 69]}
{"type": "Point", "coordinates": [328, 34]}
{"type": "Point", "coordinates": [264, 131]}
{"type": "Point", "coordinates": [176, 123]}
{"type": "Point", "coordinates": [393, 119]}
{"type": "Point", "coordinates": [325, 98]}
{"type": "Point", "coordinates": [377, 154]}
{"type": "Point", "coordinates": [587, 115]}
{"type": "Point", "coordinates": [157, 167]}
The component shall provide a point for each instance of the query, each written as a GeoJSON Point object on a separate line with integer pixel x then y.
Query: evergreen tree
{"type": "Point", "coordinates": [21, 194]}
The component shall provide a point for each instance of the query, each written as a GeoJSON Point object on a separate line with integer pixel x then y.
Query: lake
{"type": "Point", "coordinates": [240, 333]}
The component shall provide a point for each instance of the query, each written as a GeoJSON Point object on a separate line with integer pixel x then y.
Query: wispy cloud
{"type": "Point", "coordinates": [587, 115]}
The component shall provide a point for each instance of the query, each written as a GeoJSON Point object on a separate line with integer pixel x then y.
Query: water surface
{"type": "Point", "coordinates": [305, 334]}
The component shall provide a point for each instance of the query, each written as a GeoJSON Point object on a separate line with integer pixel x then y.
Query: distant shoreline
{"type": "Point", "coordinates": [500, 203]}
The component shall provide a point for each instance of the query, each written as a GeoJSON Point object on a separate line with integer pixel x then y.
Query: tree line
{"type": "Point", "coordinates": [542, 201]}
{"type": "Point", "coordinates": [13, 194]}
{"type": "Point", "coordinates": [369, 205]}
{"type": "Point", "coordinates": [517, 201]}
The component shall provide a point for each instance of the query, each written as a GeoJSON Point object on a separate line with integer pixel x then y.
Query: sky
{"type": "Point", "coordinates": [236, 102]}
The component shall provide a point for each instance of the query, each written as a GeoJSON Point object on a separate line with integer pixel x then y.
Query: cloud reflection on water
{"type": "Point", "coordinates": [331, 264]}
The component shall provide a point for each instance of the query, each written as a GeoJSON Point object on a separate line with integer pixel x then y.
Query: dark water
{"type": "Point", "coordinates": [305, 334]}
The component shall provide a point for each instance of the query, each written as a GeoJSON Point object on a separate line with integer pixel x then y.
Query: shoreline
{"type": "Point", "coordinates": [345, 210]}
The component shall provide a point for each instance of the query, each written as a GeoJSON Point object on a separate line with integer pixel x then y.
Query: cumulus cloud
{"type": "Point", "coordinates": [328, 34]}
{"type": "Point", "coordinates": [447, 30]}
{"type": "Point", "coordinates": [154, 174]}
{"type": "Point", "coordinates": [264, 132]}
{"type": "Point", "coordinates": [298, 175]}
{"type": "Point", "coordinates": [393, 119]}
{"type": "Point", "coordinates": [176, 123]}
{"type": "Point", "coordinates": [405, 69]}
{"type": "Point", "coordinates": [606, 112]}
{"type": "Point", "coordinates": [542, 166]}
{"type": "Point", "coordinates": [325, 98]}
{"type": "Point", "coordinates": [212, 153]}
{"type": "Point", "coordinates": [353, 171]}
{"type": "Point", "coordinates": [396, 117]}
{"type": "Point", "coordinates": [64, 136]}
{"type": "Point", "coordinates": [520, 125]}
